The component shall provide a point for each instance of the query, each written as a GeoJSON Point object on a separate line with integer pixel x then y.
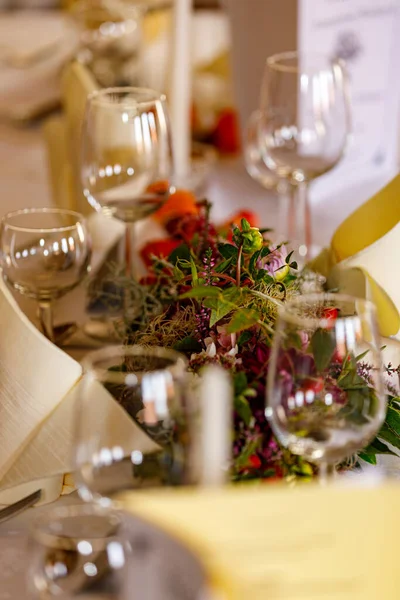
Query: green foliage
{"type": "Point", "coordinates": [182, 252]}
{"type": "Point", "coordinates": [323, 346]}
{"type": "Point", "coordinates": [228, 251]}
{"type": "Point", "coordinates": [201, 291]}
{"type": "Point", "coordinates": [244, 318]}
{"type": "Point", "coordinates": [223, 305]}
{"type": "Point", "coordinates": [188, 344]}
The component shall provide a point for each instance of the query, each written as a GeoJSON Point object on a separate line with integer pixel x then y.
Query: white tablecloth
{"type": "Point", "coordinates": [24, 183]}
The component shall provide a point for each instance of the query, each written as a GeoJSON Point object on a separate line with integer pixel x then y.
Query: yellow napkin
{"type": "Point", "coordinates": [77, 84]}
{"type": "Point", "coordinates": [363, 255]}
{"type": "Point", "coordinates": [336, 543]}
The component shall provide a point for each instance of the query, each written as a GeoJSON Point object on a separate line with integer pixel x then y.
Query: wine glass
{"type": "Point", "coordinates": [78, 550]}
{"type": "Point", "coordinates": [111, 36]}
{"type": "Point", "coordinates": [145, 440]}
{"type": "Point", "coordinates": [326, 398]}
{"type": "Point", "coordinates": [126, 156]}
{"type": "Point", "coordinates": [126, 170]}
{"type": "Point", "coordinates": [45, 253]}
{"type": "Point", "coordinates": [305, 126]}
{"type": "Point", "coordinates": [253, 157]}
{"type": "Point", "coordinates": [268, 179]}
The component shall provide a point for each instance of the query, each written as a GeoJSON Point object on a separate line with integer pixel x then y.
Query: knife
{"type": "Point", "coordinates": [20, 506]}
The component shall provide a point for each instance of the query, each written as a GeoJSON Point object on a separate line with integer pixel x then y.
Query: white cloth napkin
{"type": "Point", "coordinates": [34, 45]}
{"type": "Point", "coordinates": [40, 386]}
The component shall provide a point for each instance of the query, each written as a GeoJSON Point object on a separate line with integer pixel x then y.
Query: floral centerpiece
{"type": "Point", "coordinates": [212, 292]}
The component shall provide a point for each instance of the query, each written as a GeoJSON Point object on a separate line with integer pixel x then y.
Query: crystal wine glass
{"type": "Point", "coordinates": [45, 253]}
{"type": "Point", "coordinates": [111, 40]}
{"type": "Point", "coordinates": [79, 552]}
{"type": "Point", "coordinates": [126, 156]}
{"type": "Point", "coordinates": [268, 179]}
{"type": "Point", "coordinates": [145, 439]}
{"type": "Point", "coordinates": [326, 398]}
{"type": "Point", "coordinates": [305, 126]}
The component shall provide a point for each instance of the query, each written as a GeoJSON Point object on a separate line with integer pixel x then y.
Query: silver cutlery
{"type": "Point", "coordinates": [18, 507]}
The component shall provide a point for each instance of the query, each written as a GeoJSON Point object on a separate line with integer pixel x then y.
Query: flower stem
{"type": "Point", "coordinates": [239, 265]}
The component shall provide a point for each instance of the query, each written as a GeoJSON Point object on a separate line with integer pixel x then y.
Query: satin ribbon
{"type": "Point", "coordinates": [364, 254]}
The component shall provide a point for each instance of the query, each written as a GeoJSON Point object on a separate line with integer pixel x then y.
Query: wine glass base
{"type": "Point", "coordinates": [108, 330]}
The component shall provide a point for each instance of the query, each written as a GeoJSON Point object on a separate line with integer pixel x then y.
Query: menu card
{"type": "Point", "coordinates": [365, 34]}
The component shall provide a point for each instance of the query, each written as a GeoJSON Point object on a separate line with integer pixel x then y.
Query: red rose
{"type": "Point", "coordinates": [330, 314]}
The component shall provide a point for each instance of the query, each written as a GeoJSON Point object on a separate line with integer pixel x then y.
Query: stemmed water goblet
{"type": "Point", "coordinates": [126, 167]}
{"type": "Point", "coordinates": [45, 253]}
{"type": "Point", "coordinates": [126, 156]}
{"type": "Point", "coordinates": [79, 551]}
{"type": "Point", "coordinates": [303, 128]}
{"type": "Point", "coordinates": [326, 399]}
{"type": "Point", "coordinates": [146, 439]}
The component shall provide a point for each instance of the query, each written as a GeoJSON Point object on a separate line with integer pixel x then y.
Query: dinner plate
{"type": "Point", "coordinates": [161, 567]}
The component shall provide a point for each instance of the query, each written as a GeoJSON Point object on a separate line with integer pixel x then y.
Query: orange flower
{"type": "Point", "coordinates": [159, 248]}
{"type": "Point", "coordinates": [158, 187]}
{"type": "Point", "coordinates": [178, 204]}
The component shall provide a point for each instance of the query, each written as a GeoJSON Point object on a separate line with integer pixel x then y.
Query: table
{"type": "Point", "coordinates": [24, 183]}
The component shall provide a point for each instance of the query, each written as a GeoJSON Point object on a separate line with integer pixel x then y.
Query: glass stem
{"type": "Point", "coordinates": [298, 219]}
{"type": "Point", "coordinates": [129, 250]}
{"type": "Point", "coordinates": [326, 473]}
{"type": "Point", "coordinates": [46, 319]}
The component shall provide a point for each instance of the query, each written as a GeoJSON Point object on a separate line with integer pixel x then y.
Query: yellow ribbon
{"type": "Point", "coordinates": [363, 256]}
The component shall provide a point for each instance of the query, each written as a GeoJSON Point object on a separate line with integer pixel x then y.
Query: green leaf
{"type": "Point", "coordinates": [188, 344]}
{"type": "Point", "coordinates": [228, 251]}
{"type": "Point", "coordinates": [244, 337]}
{"type": "Point", "coordinates": [182, 252]}
{"type": "Point", "coordinates": [361, 356]}
{"type": "Point", "coordinates": [222, 306]}
{"type": "Point", "coordinates": [245, 225]}
{"type": "Point", "coordinates": [368, 457]}
{"type": "Point", "coordinates": [289, 256]}
{"type": "Point", "coordinates": [323, 346]}
{"type": "Point", "coordinates": [387, 435]}
{"type": "Point", "coordinates": [250, 448]}
{"type": "Point", "coordinates": [294, 265]}
{"type": "Point", "coordinates": [253, 262]}
{"type": "Point", "coordinates": [202, 291]}
{"type": "Point", "coordinates": [222, 267]}
{"type": "Point", "coordinates": [243, 409]}
{"type": "Point", "coordinates": [244, 318]}
{"type": "Point", "coordinates": [354, 409]}
{"type": "Point", "coordinates": [264, 251]}
{"type": "Point", "coordinates": [378, 447]}
{"type": "Point", "coordinates": [393, 419]}
{"type": "Point", "coordinates": [219, 312]}
{"type": "Point", "coordinates": [193, 269]}
{"type": "Point", "coordinates": [240, 382]}
{"type": "Point", "coordinates": [264, 276]}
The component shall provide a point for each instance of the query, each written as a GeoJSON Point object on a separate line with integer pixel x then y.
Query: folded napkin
{"type": "Point", "coordinates": [34, 46]}
{"type": "Point", "coordinates": [77, 84]}
{"type": "Point", "coordinates": [40, 386]}
{"type": "Point", "coordinates": [283, 543]}
{"type": "Point", "coordinates": [363, 256]}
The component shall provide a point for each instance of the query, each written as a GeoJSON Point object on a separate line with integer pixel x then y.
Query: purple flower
{"type": "Point", "coordinates": [275, 262]}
